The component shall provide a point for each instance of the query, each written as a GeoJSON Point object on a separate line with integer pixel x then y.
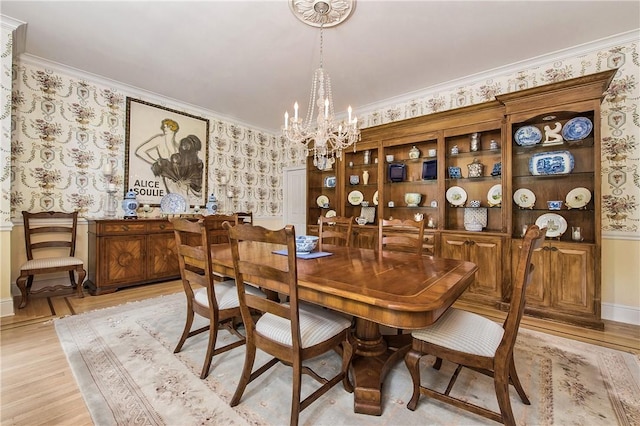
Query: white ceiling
{"type": "Point", "coordinates": [249, 60]}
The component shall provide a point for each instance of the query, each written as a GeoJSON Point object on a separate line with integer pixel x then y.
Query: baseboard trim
{"type": "Point", "coordinates": [620, 313]}
{"type": "Point", "coordinates": [6, 307]}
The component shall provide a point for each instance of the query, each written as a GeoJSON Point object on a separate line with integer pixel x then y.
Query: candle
{"type": "Point", "coordinates": [326, 108]}
{"type": "Point", "coordinates": [107, 169]}
{"type": "Point", "coordinates": [295, 110]}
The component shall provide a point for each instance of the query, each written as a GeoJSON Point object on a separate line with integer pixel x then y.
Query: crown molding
{"type": "Point", "coordinates": [576, 51]}
{"type": "Point", "coordinates": [132, 91]}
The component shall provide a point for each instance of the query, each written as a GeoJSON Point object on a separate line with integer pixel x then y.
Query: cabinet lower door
{"type": "Point", "coordinates": [123, 260]}
{"type": "Point", "coordinates": [163, 259]}
{"type": "Point", "coordinates": [486, 252]}
{"type": "Point", "coordinates": [537, 293]}
{"type": "Point", "coordinates": [572, 277]}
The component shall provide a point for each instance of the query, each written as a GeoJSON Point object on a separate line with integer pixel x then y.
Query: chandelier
{"type": "Point", "coordinates": [323, 136]}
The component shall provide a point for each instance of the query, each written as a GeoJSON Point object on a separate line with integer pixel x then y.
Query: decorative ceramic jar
{"type": "Point", "coordinates": [414, 153]}
{"type": "Point", "coordinates": [367, 156]}
{"type": "Point", "coordinates": [475, 141]}
{"type": "Point", "coordinates": [412, 199]}
{"type": "Point", "coordinates": [365, 177]}
{"type": "Point", "coordinates": [454, 150]}
{"type": "Point", "coordinates": [212, 204]}
{"type": "Point", "coordinates": [130, 205]}
{"type": "Point", "coordinates": [475, 168]}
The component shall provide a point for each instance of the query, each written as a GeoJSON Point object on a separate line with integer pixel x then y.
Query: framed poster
{"type": "Point", "coordinates": [166, 152]}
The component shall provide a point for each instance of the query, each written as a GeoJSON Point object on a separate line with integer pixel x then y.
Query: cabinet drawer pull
{"type": "Point", "coordinates": [162, 226]}
{"type": "Point", "coordinates": [125, 227]}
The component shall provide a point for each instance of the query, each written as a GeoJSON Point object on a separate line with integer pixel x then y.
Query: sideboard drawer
{"type": "Point", "coordinates": [123, 227]}
{"type": "Point", "coordinates": [159, 226]}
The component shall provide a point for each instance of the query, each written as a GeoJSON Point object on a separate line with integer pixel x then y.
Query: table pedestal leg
{"type": "Point", "coordinates": [375, 356]}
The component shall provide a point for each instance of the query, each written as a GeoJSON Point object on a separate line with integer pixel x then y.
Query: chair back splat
{"type": "Point", "coordinates": [290, 332]}
{"type": "Point", "coordinates": [55, 233]}
{"type": "Point", "coordinates": [206, 295]}
{"type": "Point", "coordinates": [401, 235]}
{"type": "Point", "coordinates": [473, 341]}
{"type": "Point", "coordinates": [335, 230]}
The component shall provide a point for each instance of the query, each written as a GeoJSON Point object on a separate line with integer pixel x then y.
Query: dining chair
{"type": "Point", "coordinates": [212, 299]}
{"type": "Point", "coordinates": [478, 343]}
{"type": "Point", "coordinates": [291, 332]}
{"type": "Point", "coordinates": [335, 230]}
{"type": "Point", "coordinates": [401, 235]}
{"type": "Point", "coordinates": [53, 236]}
{"type": "Point", "coordinates": [245, 217]}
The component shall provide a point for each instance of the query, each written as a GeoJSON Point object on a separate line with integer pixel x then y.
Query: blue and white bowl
{"type": "Point", "coordinates": [306, 243]}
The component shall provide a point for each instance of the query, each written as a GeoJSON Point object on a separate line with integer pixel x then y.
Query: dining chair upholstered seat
{"type": "Point", "coordinates": [53, 236]}
{"type": "Point", "coordinates": [206, 295]}
{"type": "Point", "coordinates": [291, 332]}
{"type": "Point", "coordinates": [316, 326]}
{"type": "Point", "coordinates": [476, 342]}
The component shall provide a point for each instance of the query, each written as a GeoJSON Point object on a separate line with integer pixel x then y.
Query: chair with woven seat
{"type": "Point", "coordinates": [290, 332]}
{"type": "Point", "coordinates": [212, 299]}
{"type": "Point", "coordinates": [401, 235]}
{"type": "Point", "coordinates": [335, 230]}
{"type": "Point", "coordinates": [478, 343]}
{"type": "Point", "coordinates": [54, 232]}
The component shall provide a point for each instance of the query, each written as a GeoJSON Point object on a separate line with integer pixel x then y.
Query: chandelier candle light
{"type": "Point", "coordinates": [326, 138]}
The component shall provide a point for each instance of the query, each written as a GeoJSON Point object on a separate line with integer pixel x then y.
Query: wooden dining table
{"type": "Point", "coordinates": [400, 290]}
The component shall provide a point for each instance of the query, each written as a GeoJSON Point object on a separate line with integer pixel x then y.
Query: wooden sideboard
{"type": "Point", "coordinates": [125, 253]}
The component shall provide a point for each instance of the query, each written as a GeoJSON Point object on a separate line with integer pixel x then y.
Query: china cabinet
{"type": "Point", "coordinates": [123, 253]}
{"type": "Point", "coordinates": [478, 176]}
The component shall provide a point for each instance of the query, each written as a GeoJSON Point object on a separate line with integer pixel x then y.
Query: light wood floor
{"type": "Point", "coordinates": [38, 387]}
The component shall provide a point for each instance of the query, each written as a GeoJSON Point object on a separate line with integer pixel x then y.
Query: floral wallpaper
{"type": "Point", "coordinates": [65, 129]}
{"type": "Point", "coordinates": [620, 119]}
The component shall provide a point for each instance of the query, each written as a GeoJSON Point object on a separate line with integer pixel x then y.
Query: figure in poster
{"type": "Point", "coordinates": [176, 163]}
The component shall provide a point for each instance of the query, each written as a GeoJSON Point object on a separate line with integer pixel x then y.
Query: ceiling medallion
{"type": "Point", "coordinates": [326, 13]}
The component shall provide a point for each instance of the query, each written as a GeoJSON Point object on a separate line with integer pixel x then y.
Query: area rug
{"type": "Point", "coordinates": [123, 361]}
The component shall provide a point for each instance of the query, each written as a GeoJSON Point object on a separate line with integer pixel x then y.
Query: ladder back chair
{"type": "Point", "coordinates": [401, 235]}
{"type": "Point", "coordinates": [215, 300]}
{"type": "Point", "coordinates": [290, 332]}
{"type": "Point", "coordinates": [55, 233]}
{"type": "Point", "coordinates": [245, 217]}
{"type": "Point", "coordinates": [335, 230]}
{"type": "Point", "coordinates": [475, 342]}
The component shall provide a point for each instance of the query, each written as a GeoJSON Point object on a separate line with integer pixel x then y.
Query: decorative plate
{"type": "Point", "coordinates": [494, 196]}
{"type": "Point", "coordinates": [551, 163]}
{"type": "Point", "coordinates": [331, 213]}
{"type": "Point", "coordinates": [173, 203]}
{"type": "Point", "coordinates": [330, 181]}
{"type": "Point", "coordinates": [375, 198]}
{"type": "Point", "coordinates": [456, 196]}
{"type": "Point", "coordinates": [524, 198]}
{"type": "Point", "coordinates": [556, 225]}
{"type": "Point", "coordinates": [577, 129]}
{"type": "Point", "coordinates": [322, 200]}
{"type": "Point", "coordinates": [528, 136]}
{"type": "Point", "coordinates": [578, 198]}
{"type": "Point", "coordinates": [355, 197]}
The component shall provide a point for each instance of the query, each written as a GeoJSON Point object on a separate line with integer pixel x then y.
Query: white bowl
{"type": "Point", "coordinates": [306, 243]}
{"type": "Point", "coordinates": [412, 199]}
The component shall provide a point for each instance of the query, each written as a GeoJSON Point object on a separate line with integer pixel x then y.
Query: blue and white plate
{"type": "Point", "coordinates": [527, 136]}
{"type": "Point", "coordinates": [577, 129]}
{"type": "Point", "coordinates": [551, 163]}
{"type": "Point", "coordinates": [173, 203]}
